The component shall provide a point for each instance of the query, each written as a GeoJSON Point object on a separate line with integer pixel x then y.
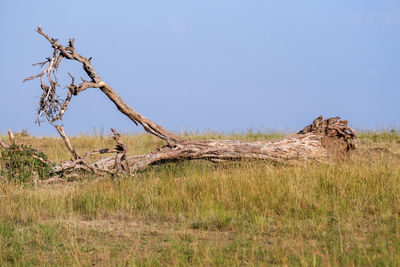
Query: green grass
{"type": "Point", "coordinates": [200, 213]}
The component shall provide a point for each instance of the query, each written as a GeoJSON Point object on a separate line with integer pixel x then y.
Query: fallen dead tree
{"type": "Point", "coordinates": [315, 142]}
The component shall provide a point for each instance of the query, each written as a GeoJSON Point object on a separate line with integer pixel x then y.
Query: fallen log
{"type": "Point", "coordinates": [317, 144]}
{"type": "Point", "coordinates": [316, 141]}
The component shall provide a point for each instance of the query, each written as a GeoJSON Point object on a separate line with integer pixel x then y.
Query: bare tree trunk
{"type": "Point", "coordinates": [291, 149]}
{"type": "Point", "coordinates": [311, 145]}
{"type": "Point", "coordinates": [314, 142]}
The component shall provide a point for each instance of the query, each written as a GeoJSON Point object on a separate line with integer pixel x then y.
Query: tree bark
{"type": "Point", "coordinates": [316, 141]}
{"type": "Point", "coordinates": [310, 144]}
{"type": "Point", "coordinates": [288, 150]}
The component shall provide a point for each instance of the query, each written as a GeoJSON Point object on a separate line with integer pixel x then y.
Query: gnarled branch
{"type": "Point", "coordinates": [52, 107]}
{"type": "Point", "coordinates": [60, 130]}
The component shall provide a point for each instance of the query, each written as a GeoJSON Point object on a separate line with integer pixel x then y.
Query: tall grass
{"type": "Point", "coordinates": [200, 213]}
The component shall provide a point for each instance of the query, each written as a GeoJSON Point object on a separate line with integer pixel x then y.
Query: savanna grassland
{"type": "Point", "coordinates": [340, 213]}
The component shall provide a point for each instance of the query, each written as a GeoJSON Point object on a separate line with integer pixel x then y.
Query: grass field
{"type": "Point", "coordinates": [339, 213]}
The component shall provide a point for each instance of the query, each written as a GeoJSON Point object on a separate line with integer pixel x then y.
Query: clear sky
{"type": "Point", "coordinates": [222, 65]}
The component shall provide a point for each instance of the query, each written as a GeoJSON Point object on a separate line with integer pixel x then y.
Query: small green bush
{"type": "Point", "coordinates": [19, 163]}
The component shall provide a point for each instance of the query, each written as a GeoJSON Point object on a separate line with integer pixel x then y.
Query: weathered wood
{"type": "Point", "coordinates": [51, 106]}
{"type": "Point", "coordinates": [315, 145]}
{"type": "Point", "coordinates": [11, 137]}
{"type": "Point", "coordinates": [3, 144]}
{"type": "Point", "coordinates": [291, 149]}
{"type": "Point", "coordinates": [315, 142]}
{"type": "Point", "coordinates": [60, 130]}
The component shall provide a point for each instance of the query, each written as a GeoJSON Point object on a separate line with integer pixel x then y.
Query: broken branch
{"type": "Point", "coordinates": [60, 130]}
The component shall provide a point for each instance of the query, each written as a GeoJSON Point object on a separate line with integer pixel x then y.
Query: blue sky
{"type": "Point", "coordinates": [221, 65]}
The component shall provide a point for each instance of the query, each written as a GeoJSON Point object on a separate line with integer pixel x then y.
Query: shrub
{"type": "Point", "coordinates": [21, 163]}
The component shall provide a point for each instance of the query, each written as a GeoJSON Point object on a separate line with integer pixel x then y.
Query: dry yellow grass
{"type": "Point", "coordinates": [200, 213]}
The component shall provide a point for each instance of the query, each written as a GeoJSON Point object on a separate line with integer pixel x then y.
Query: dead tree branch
{"type": "Point", "coordinates": [53, 109]}
{"type": "Point", "coordinates": [3, 144]}
{"type": "Point", "coordinates": [11, 137]}
{"type": "Point", "coordinates": [314, 142]}
{"type": "Point", "coordinates": [71, 149]}
{"type": "Point", "coordinates": [80, 163]}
